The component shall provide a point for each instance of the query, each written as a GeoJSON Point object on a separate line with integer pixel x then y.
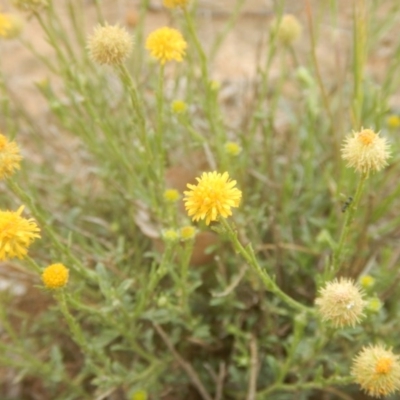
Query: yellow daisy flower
{"type": "Point", "coordinates": [55, 276]}
{"type": "Point", "coordinates": [175, 3]}
{"type": "Point", "coordinates": [212, 197]}
{"type": "Point", "coordinates": [166, 44]}
{"type": "Point", "coordinates": [16, 234]}
{"type": "Point", "coordinates": [9, 157]}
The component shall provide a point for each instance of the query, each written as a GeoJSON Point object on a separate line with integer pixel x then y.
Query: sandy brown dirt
{"type": "Point", "coordinates": [236, 60]}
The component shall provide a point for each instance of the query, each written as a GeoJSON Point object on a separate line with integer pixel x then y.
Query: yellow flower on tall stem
{"type": "Point", "coordinates": [377, 371]}
{"type": "Point", "coordinates": [166, 44]}
{"type": "Point", "coordinates": [9, 157]}
{"type": "Point", "coordinates": [16, 234]}
{"type": "Point", "coordinates": [212, 197]}
{"type": "Point", "coordinates": [55, 276]}
{"type": "Point", "coordinates": [175, 3]}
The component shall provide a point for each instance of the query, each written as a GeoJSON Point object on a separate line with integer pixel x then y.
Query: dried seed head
{"type": "Point", "coordinates": [110, 44]}
{"type": "Point", "coordinates": [377, 371]}
{"type": "Point", "coordinates": [340, 302]}
{"type": "Point", "coordinates": [287, 29]}
{"type": "Point", "coordinates": [365, 151]}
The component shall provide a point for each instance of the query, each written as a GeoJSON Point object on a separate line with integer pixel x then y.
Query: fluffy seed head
{"type": "Point", "coordinates": [340, 302]}
{"type": "Point", "coordinates": [110, 44]}
{"type": "Point", "coordinates": [175, 3]}
{"type": "Point", "coordinates": [377, 371]}
{"type": "Point", "coordinates": [16, 234]}
{"type": "Point", "coordinates": [365, 151]}
{"type": "Point", "coordinates": [287, 29]}
{"type": "Point", "coordinates": [166, 44]}
{"type": "Point", "coordinates": [9, 157]}
{"type": "Point", "coordinates": [212, 197]}
{"type": "Point", "coordinates": [55, 276]}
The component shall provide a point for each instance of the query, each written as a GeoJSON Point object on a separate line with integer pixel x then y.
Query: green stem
{"type": "Point", "coordinates": [299, 387]}
{"type": "Point", "coordinates": [33, 264]}
{"type": "Point", "coordinates": [338, 252]}
{"type": "Point", "coordinates": [160, 124]}
{"type": "Point", "coordinates": [41, 217]}
{"type": "Point", "coordinates": [185, 260]}
{"type": "Point", "coordinates": [197, 44]}
{"type": "Point", "coordinates": [73, 325]}
{"type": "Point", "coordinates": [248, 254]}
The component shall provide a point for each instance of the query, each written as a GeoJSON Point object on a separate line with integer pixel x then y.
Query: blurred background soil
{"type": "Point", "coordinates": [236, 60]}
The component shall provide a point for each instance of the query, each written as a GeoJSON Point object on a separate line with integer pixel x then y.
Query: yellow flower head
{"type": "Point", "coordinates": [30, 5]}
{"type": "Point", "coordinates": [287, 29]}
{"type": "Point", "coordinates": [175, 3]}
{"type": "Point", "coordinates": [367, 281]}
{"type": "Point", "coordinates": [16, 234]}
{"type": "Point", "coordinates": [5, 24]}
{"type": "Point", "coordinates": [10, 26]}
{"type": "Point", "coordinates": [393, 121]}
{"type": "Point", "coordinates": [374, 305]}
{"type": "Point", "coordinates": [55, 276]}
{"type": "Point", "coordinates": [213, 196]}
{"type": "Point", "coordinates": [215, 85]}
{"type": "Point", "coordinates": [187, 232]}
{"type": "Point", "coordinates": [140, 395]}
{"type": "Point", "coordinates": [110, 45]}
{"type": "Point", "coordinates": [9, 157]}
{"type": "Point", "coordinates": [340, 302]}
{"type": "Point", "coordinates": [365, 151]}
{"type": "Point", "coordinates": [171, 195]}
{"type": "Point", "coordinates": [233, 148]}
{"type": "Point", "coordinates": [377, 371]}
{"type": "Point", "coordinates": [170, 235]}
{"type": "Point", "coordinates": [178, 107]}
{"type": "Point", "coordinates": [166, 44]}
